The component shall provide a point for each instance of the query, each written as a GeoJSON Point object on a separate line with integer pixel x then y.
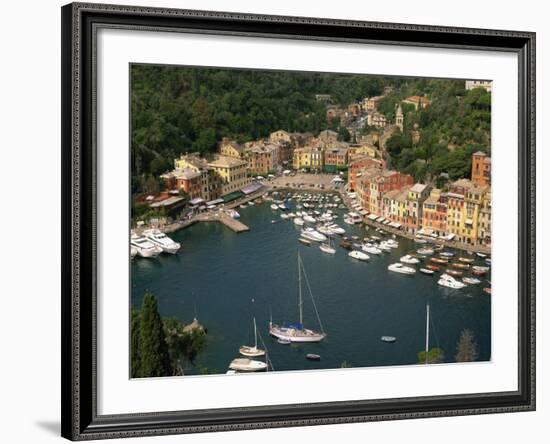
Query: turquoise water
{"type": "Point", "coordinates": [227, 279]}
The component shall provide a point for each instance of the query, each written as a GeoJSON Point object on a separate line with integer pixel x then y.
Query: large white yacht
{"type": "Point", "coordinates": [145, 248]}
{"type": "Point", "coordinates": [314, 235]}
{"type": "Point", "coordinates": [448, 281]}
{"type": "Point", "coordinates": [162, 241]}
{"type": "Point", "coordinates": [400, 268]}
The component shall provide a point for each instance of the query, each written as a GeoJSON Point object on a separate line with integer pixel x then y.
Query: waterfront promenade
{"type": "Point", "coordinates": [451, 244]}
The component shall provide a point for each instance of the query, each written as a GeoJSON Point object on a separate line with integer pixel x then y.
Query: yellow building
{"type": "Point", "coordinates": [232, 172]}
{"type": "Point", "coordinates": [231, 148]}
{"type": "Point", "coordinates": [356, 151]}
{"type": "Point", "coordinates": [484, 220]}
{"type": "Point", "coordinates": [465, 205]}
{"type": "Point", "coordinates": [308, 157]}
{"type": "Point", "coordinates": [280, 136]}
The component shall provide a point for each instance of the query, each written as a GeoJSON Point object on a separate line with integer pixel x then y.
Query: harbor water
{"type": "Point", "coordinates": [225, 279]}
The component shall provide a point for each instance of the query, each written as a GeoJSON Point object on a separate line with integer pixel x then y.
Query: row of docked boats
{"type": "Point", "coordinates": [151, 243]}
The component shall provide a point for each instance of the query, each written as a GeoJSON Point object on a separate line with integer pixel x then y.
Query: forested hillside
{"type": "Point", "coordinates": [176, 110]}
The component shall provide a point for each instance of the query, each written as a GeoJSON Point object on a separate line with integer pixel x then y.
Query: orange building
{"type": "Point", "coordinates": [481, 169]}
{"type": "Point", "coordinates": [357, 165]}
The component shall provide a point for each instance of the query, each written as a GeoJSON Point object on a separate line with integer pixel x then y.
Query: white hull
{"type": "Point", "coordinates": [400, 268]}
{"type": "Point", "coordinates": [294, 335]}
{"type": "Point", "coordinates": [298, 221]}
{"type": "Point", "coordinates": [247, 365]}
{"type": "Point", "coordinates": [327, 249]}
{"type": "Point", "coordinates": [360, 256]}
{"type": "Point", "coordinates": [409, 260]}
{"type": "Point", "coordinates": [450, 282]}
{"type": "Point", "coordinates": [160, 240]}
{"type": "Point", "coordinates": [371, 250]}
{"type": "Point", "coordinates": [149, 252]}
{"type": "Point", "coordinates": [252, 352]}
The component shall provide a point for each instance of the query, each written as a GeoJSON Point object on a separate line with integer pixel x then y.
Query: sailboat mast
{"type": "Point", "coordinates": [300, 290]}
{"type": "Point", "coordinates": [255, 335]}
{"type": "Point", "coordinates": [427, 331]}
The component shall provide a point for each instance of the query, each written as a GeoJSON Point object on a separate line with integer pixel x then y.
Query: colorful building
{"type": "Point", "coordinates": [434, 213]}
{"type": "Point", "coordinates": [262, 158]}
{"type": "Point", "coordinates": [230, 148]}
{"type": "Point", "coordinates": [357, 165]}
{"type": "Point", "coordinates": [193, 174]}
{"type": "Point", "coordinates": [335, 159]}
{"type": "Point", "coordinates": [308, 157]}
{"type": "Point", "coordinates": [481, 168]}
{"type": "Point", "coordinates": [412, 217]}
{"type": "Point", "coordinates": [418, 102]}
{"type": "Point", "coordinates": [232, 173]}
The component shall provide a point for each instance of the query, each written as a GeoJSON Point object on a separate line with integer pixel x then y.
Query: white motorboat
{"type": "Point", "coordinates": [471, 280]}
{"type": "Point", "coordinates": [369, 248]}
{"type": "Point", "coordinates": [482, 255]}
{"type": "Point", "coordinates": [234, 214]}
{"type": "Point", "coordinates": [425, 251]}
{"type": "Point", "coordinates": [284, 216]}
{"type": "Point", "coordinates": [359, 255]}
{"type": "Point", "coordinates": [309, 219]}
{"type": "Point", "coordinates": [448, 281]}
{"type": "Point", "coordinates": [311, 234]}
{"type": "Point", "coordinates": [162, 241]}
{"type": "Point", "coordinates": [384, 246]}
{"type": "Point", "coordinates": [133, 252]}
{"type": "Point", "coordinates": [274, 207]}
{"type": "Point", "coordinates": [408, 259]}
{"type": "Point", "coordinates": [249, 351]}
{"type": "Point", "coordinates": [247, 365]}
{"type": "Point", "coordinates": [427, 271]}
{"type": "Point", "coordinates": [282, 206]}
{"type": "Point", "coordinates": [325, 230]}
{"type": "Point", "coordinates": [400, 268]}
{"type": "Point", "coordinates": [298, 221]}
{"type": "Point", "coordinates": [145, 248]}
{"type": "Point", "coordinates": [296, 332]}
{"type": "Point", "coordinates": [392, 243]}
{"type": "Point", "coordinates": [327, 247]}
{"type": "Point", "coordinates": [250, 203]}
{"type": "Point", "coordinates": [419, 240]}
{"type": "Point", "coordinates": [353, 218]}
{"type": "Point", "coordinates": [337, 229]}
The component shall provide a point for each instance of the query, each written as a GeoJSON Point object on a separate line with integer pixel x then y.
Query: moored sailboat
{"type": "Point", "coordinates": [296, 332]}
{"type": "Point", "coordinates": [249, 351]}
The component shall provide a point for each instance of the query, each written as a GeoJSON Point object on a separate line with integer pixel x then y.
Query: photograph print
{"type": "Point", "coordinates": [302, 221]}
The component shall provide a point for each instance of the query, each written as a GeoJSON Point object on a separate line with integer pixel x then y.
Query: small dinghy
{"type": "Point", "coordinates": [305, 242]}
{"type": "Point", "coordinates": [388, 339]}
{"type": "Point", "coordinates": [426, 271]}
{"type": "Point", "coordinates": [313, 357]}
{"type": "Point", "coordinates": [284, 341]}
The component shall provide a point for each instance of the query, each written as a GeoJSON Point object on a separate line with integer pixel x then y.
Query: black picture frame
{"type": "Point", "coordinates": [80, 420]}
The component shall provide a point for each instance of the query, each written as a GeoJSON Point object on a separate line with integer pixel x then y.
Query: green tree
{"type": "Point", "coordinates": [153, 350]}
{"type": "Point", "coordinates": [135, 361]}
{"type": "Point", "coordinates": [466, 349]}
{"type": "Point", "coordinates": [433, 356]}
{"type": "Point", "coordinates": [343, 134]}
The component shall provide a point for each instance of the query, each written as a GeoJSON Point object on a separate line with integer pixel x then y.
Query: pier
{"type": "Point", "coordinates": [224, 218]}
